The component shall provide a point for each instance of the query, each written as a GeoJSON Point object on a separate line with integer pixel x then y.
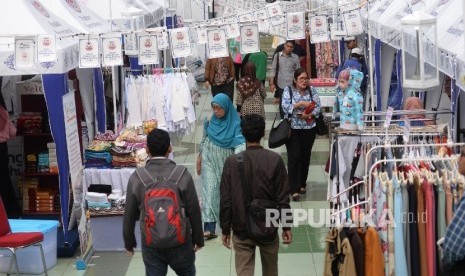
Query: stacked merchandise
{"type": "Point", "coordinates": [129, 150]}
{"type": "Point", "coordinates": [98, 155]}
{"type": "Point", "coordinates": [31, 164]}
{"type": "Point", "coordinates": [30, 123]}
{"type": "Point", "coordinates": [27, 186]}
{"type": "Point", "coordinates": [101, 200]}
{"type": "Point", "coordinates": [42, 163]}
{"type": "Point", "coordinates": [52, 158]}
{"type": "Point", "coordinates": [45, 201]}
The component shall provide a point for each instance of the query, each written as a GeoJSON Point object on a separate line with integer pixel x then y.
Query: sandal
{"type": "Point", "coordinates": [303, 190]}
{"type": "Point", "coordinates": [210, 236]}
{"type": "Point", "coordinates": [295, 197]}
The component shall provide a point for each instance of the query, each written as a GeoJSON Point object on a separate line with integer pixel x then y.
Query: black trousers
{"type": "Point", "coordinates": [299, 151]}
{"type": "Point", "coordinates": [237, 71]}
{"type": "Point", "coordinates": [6, 187]}
{"type": "Point", "coordinates": [227, 88]}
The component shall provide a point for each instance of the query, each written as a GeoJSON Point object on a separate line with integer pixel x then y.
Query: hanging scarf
{"type": "Point", "coordinates": [248, 86]}
{"type": "Point", "coordinates": [225, 132]}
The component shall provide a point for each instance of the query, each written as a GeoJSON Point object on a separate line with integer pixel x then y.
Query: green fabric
{"type": "Point", "coordinates": [259, 59]}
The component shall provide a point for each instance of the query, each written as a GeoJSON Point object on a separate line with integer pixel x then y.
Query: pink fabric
{"type": "Point", "coordinates": [7, 128]}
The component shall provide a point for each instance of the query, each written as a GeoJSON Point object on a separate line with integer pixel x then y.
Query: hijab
{"type": "Point", "coordinates": [225, 132]}
{"type": "Point", "coordinates": [414, 103]}
{"type": "Point", "coordinates": [248, 86]}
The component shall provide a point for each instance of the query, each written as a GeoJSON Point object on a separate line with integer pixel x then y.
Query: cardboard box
{"type": "Point", "coordinates": [29, 259]}
{"type": "Point", "coordinates": [29, 88]}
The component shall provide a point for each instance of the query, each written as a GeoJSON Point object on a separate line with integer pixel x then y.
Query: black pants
{"type": "Point", "coordinates": [227, 88]}
{"type": "Point", "coordinates": [6, 187]}
{"type": "Point", "coordinates": [278, 93]}
{"type": "Point", "coordinates": [237, 70]}
{"type": "Point", "coordinates": [299, 151]}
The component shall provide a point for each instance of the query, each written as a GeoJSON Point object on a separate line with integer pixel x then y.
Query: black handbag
{"type": "Point", "coordinates": [256, 210]}
{"type": "Point", "coordinates": [280, 134]}
{"type": "Point", "coordinates": [321, 124]}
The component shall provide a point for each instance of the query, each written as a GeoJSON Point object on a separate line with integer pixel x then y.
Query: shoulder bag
{"type": "Point", "coordinates": [256, 210]}
{"type": "Point", "coordinates": [321, 125]}
{"type": "Point", "coordinates": [280, 134]}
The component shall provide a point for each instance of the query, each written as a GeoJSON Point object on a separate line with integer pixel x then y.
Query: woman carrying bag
{"type": "Point", "coordinates": [303, 131]}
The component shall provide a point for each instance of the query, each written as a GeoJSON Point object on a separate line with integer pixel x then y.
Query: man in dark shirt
{"type": "Point", "coordinates": [268, 181]}
{"type": "Point", "coordinates": [156, 260]}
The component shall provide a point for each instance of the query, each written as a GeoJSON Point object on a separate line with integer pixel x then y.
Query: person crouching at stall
{"type": "Point", "coordinates": [295, 101]}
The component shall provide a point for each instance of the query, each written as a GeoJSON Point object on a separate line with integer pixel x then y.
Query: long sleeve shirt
{"type": "Point", "coordinates": [291, 111]}
{"type": "Point", "coordinates": [287, 66]}
{"type": "Point", "coordinates": [454, 241]}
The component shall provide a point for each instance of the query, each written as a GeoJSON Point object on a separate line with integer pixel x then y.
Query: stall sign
{"type": "Point", "coordinates": [112, 50]}
{"type": "Point", "coordinates": [318, 26]}
{"type": "Point", "coordinates": [89, 54]}
{"type": "Point", "coordinates": [295, 25]}
{"type": "Point", "coordinates": [46, 48]}
{"type": "Point", "coordinates": [24, 53]}
{"type": "Point", "coordinates": [250, 39]}
{"type": "Point", "coordinates": [217, 46]}
{"type": "Point", "coordinates": [353, 22]}
{"type": "Point", "coordinates": [148, 50]}
{"type": "Point", "coordinates": [180, 42]}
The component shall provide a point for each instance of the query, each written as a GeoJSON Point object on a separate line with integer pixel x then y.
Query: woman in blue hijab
{"type": "Point", "coordinates": [222, 136]}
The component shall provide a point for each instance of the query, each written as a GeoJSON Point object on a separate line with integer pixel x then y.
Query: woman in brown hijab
{"type": "Point", "coordinates": [251, 94]}
{"type": "Point", "coordinates": [416, 118]}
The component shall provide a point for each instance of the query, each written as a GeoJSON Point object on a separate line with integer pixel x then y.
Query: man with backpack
{"type": "Point", "coordinates": [251, 190]}
{"type": "Point", "coordinates": [162, 197]}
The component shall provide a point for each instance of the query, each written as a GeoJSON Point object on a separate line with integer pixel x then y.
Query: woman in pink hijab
{"type": "Point", "coordinates": [416, 119]}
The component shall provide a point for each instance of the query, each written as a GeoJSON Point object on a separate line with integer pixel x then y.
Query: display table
{"type": "Point", "coordinates": [117, 178]}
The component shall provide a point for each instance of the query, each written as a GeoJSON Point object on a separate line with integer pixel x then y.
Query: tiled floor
{"type": "Point", "coordinates": [303, 257]}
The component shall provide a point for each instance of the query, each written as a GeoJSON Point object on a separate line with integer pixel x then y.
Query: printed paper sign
{"type": "Point", "coordinates": [275, 10]}
{"type": "Point", "coordinates": [217, 45]}
{"type": "Point", "coordinates": [231, 20]}
{"type": "Point", "coordinates": [389, 112]}
{"type": "Point", "coordinates": [295, 25]}
{"type": "Point", "coordinates": [46, 48]}
{"type": "Point", "coordinates": [89, 56]}
{"type": "Point", "coordinates": [148, 50]}
{"type": "Point", "coordinates": [318, 29]}
{"type": "Point", "coordinates": [180, 42]}
{"type": "Point", "coordinates": [112, 51]}
{"type": "Point", "coordinates": [353, 22]}
{"type": "Point", "coordinates": [263, 25]}
{"type": "Point", "coordinates": [130, 45]}
{"type": "Point", "coordinates": [228, 10]}
{"type": "Point", "coordinates": [278, 20]}
{"type": "Point", "coordinates": [250, 39]}
{"type": "Point", "coordinates": [246, 17]}
{"type": "Point", "coordinates": [162, 40]}
{"type": "Point", "coordinates": [24, 53]}
{"type": "Point", "coordinates": [248, 5]}
{"type": "Point", "coordinates": [232, 31]}
{"type": "Point", "coordinates": [261, 14]}
{"type": "Point", "coordinates": [201, 35]}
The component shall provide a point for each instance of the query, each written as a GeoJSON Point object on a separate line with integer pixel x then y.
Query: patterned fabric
{"type": "Point", "coordinates": [454, 242]}
{"type": "Point", "coordinates": [327, 59]}
{"type": "Point", "coordinates": [350, 103]}
{"type": "Point", "coordinates": [297, 123]}
{"type": "Point", "coordinates": [253, 104]}
{"type": "Point", "coordinates": [213, 158]}
{"type": "Point", "coordinates": [222, 74]}
{"type": "Point", "coordinates": [399, 242]}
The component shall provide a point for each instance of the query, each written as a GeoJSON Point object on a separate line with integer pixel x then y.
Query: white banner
{"type": "Point", "coordinates": [72, 137]}
{"type": "Point", "coordinates": [275, 10]}
{"type": "Point", "coordinates": [353, 22]}
{"type": "Point", "coordinates": [46, 48]}
{"type": "Point", "coordinates": [263, 25]}
{"type": "Point", "coordinates": [250, 39]}
{"type": "Point", "coordinates": [24, 53]}
{"type": "Point", "coordinates": [248, 5]}
{"type": "Point", "coordinates": [228, 10]}
{"type": "Point", "coordinates": [246, 17]}
{"type": "Point", "coordinates": [130, 44]}
{"type": "Point", "coordinates": [201, 35]}
{"type": "Point", "coordinates": [318, 26]}
{"type": "Point", "coordinates": [162, 40]}
{"type": "Point", "coordinates": [180, 42]}
{"type": "Point", "coordinates": [295, 25]}
{"type": "Point", "coordinates": [232, 31]}
{"type": "Point", "coordinates": [112, 51]}
{"type": "Point", "coordinates": [89, 56]}
{"type": "Point", "coordinates": [217, 44]}
{"type": "Point", "coordinates": [148, 50]}
{"type": "Point", "coordinates": [261, 14]}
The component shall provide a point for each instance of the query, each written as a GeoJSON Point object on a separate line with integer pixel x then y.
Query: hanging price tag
{"type": "Point", "coordinates": [406, 135]}
{"type": "Point", "coordinates": [389, 112]}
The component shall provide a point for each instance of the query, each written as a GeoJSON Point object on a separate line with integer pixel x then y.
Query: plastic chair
{"type": "Point", "coordinates": [15, 241]}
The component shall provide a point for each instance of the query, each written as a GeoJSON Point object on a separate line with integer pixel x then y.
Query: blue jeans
{"type": "Point", "coordinates": [181, 259]}
{"type": "Point", "coordinates": [209, 227]}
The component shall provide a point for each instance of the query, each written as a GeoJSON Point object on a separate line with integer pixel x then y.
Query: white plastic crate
{"type": "Point", "coordinates": [29, 259]}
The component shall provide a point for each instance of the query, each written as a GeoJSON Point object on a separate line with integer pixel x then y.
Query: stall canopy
{"type": "Point", "coordinates": [384, 18]}
{"type": "Point", "coordinates": [30, 18]}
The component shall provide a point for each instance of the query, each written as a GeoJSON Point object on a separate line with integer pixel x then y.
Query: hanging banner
{"type": "Point", "coordinates": [24, 53]}
{"type": "Point", "coordinates": [89, 56]}
{"type": "Point", "coordinates": [148, 50]}
{"type": "Point", "coordinates": [201, 35]}
{"type": "Point", "coordinates": [261, 14]}
{"type": "Point", "coordinates": [231, 20]}
{"type": "Point", "coordinates": [250, 39]}
{"type": "Point", "coordinates": [337, 34]}
{"type": "Point", "coordinates": [162, 40]}
{"type": "Point", "coordinates": [248, 5]}
{"type": "Point", "coordinates": [263, 25]}
{"type": "Point", "coordinates": [130, 44]}
{"type": "Point", "coordinates": [112, 51]}
{"type": "Point", "coordinates": [217, 44]}
{"type": "Point", "coordinates": [353, 22]}
{"type": "Point", "coordinates": [295, 25]}
{"type": "Point", "coordinates": [228, 10]}
{"type": "Point", "coordinates": [276, 14]}
{"type": "Point", "coordinates": [46, 48]}
{"type": "Point", "coordinates": [318, 26]}
{"type": "Point", "coordinates": [180, 42]}
{"type": "Point", "coordinates": [246, 17]}
{"type": "Point", "coordinates": [232, 31]}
